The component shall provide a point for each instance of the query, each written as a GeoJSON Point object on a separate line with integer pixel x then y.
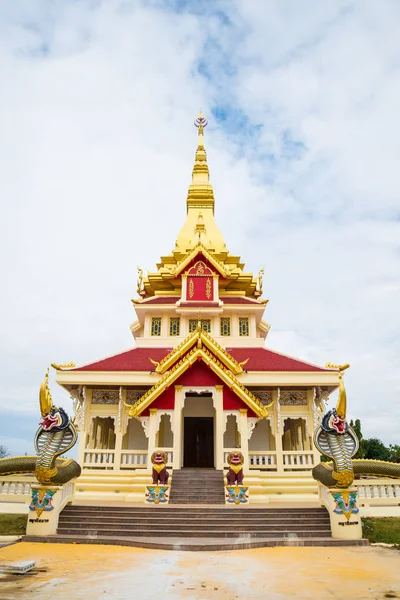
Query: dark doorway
{"type": "Point", "coordinates": [198, 442]}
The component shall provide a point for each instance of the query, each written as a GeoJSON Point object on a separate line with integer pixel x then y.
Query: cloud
{"type": "Point", "coordinates": [97, 148]}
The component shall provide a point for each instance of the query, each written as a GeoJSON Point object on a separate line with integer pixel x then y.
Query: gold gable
{"type": "Point", "coordinates": [198, 344]}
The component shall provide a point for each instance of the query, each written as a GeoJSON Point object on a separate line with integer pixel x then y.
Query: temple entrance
{"type": "Point", "coordinates": [198, 442]}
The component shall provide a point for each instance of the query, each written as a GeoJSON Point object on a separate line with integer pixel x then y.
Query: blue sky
{"type": "Point", "coordinates": [96, 110]}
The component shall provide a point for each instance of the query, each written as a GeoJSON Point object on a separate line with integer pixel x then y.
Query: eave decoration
{"type": "Point", "coordinates": [199, 345]}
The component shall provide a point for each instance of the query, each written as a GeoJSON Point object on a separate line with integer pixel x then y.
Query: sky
{"type": "Point", "coordinates": [97, 101]}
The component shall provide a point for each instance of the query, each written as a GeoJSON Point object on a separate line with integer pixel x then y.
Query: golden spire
{"type": "Point", "coordinates": [200, 194]}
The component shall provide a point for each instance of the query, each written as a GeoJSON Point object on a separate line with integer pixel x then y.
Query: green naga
{"type": "Point", "coordinates": [338, 441]}
{"type": "Point", "coordinates": [55, 436]}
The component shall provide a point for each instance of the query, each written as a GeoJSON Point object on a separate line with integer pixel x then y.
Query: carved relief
{"type": "Point", "coordinates": [105, 397]}
{"type": "Point", "coordinates": [145, 421]}
{"type": "Point", "coordinates": [79, 403]}
{"type": "Point", "coordinates": [264, 396]}
{"type": "Point", "coordinates": [133, 396]}
{"type": "Point", "coordinates": [251, 425]}
{"type": "Point", "coordinates": [293, 398]}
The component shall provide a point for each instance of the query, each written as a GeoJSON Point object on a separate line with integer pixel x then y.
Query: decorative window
{"type": "Point", "coordinates": [243, 326]}
{"type": "Point", "coordinates": [156, 326]}
{"type": "Point", "coordinates": [174, 325]}
{"type": "Point", "coordinates": [205, 325]}
{"type": "Point", "coordinates": [225, 326]}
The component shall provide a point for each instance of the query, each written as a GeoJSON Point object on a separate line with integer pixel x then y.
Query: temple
{"type": "Point", "coordinates": [200, 381]}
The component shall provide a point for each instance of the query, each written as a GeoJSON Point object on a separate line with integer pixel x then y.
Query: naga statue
{"type": "Point", "coordinates": [55, 436]}
{"type": "Point", "coordinates": [338, 441]}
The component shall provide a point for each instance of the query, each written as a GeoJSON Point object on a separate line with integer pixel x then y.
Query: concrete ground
{"type": "Point", "coordinates": [65, 571]}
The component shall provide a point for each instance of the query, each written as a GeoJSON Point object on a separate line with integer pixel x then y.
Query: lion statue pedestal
{"type": "Point", "coordinates": [158, 492]}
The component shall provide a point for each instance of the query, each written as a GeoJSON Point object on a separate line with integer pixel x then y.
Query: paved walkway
{"type": "Point", "coordinates": [110, 572]}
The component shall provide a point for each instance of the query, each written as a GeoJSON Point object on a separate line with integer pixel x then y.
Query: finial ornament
{"type": "Point", "coordinates": [341, 407]}
{"type": "Point", "coordinates": [200, 122]}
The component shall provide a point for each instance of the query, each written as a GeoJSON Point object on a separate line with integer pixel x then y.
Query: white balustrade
{"type": "Point", "coordinates": [303, 460]}
{"type": "Point", "coordinates": [133, 459]}
{"type": "Point", "coordinates": [15, 488]}
{"type": "Point", "coordinates": [103, 459]}
{"type": "Point", "coordinates": [262, 460]}
{"type": "Point", "coordinates": [378, 492]}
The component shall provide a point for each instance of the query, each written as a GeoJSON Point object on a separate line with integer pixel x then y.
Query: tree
{"type": "Point", "coordinates": [375, 449]}
{"type": "Point", "coordinates": [4, 451]}
{"type": "Point", "coordinates": [394, 450]}
{"type": "Point", "coordinates": [356, 425]}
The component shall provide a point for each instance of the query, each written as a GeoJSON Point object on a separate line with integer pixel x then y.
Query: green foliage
{"type": "Point", "coordinates": [356, 425]}
{"type": "Point", "coordinates": [375, 449]}
{"type": "Point", "coordinates": [394, 450]}
{"type": "Point", "coordinates": [13, 524]}
{"type": "Point", "coordinates": [385, 530]}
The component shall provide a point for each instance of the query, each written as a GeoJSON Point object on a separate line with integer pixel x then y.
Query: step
{"type": "Point", "coordinates": [193, 532]}
{"type": "Point", "coordinates": [195, 544]}
{"type": "Point", "coordinates": [210, 528]}
{"type": "Point", "coordinates": [143, 509]}
{"type": "Point", "coordinates": [156, 521]}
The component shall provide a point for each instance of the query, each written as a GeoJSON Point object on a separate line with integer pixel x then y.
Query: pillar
{"type": "Point", "coordinates": [219, 427]}
{"type": "Point", "coordinates": [118, 428]}
{"type": "Point", "coordinates": [177, 427]}
{"type": "Point", "coordinates": [278, 432]}
{"type": "Point", "coordinates": [243, 429]}
{"type": "Point", "coordinates": [152, 437]}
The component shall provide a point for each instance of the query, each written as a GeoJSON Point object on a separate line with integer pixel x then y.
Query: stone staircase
{"type": "Point", "coordinates": [197, 486]}
{"type": "Point", "coordinates": [194, 527]}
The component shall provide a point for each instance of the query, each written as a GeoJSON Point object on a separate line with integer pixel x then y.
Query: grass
{"type": "Point", "coordinates": [12, 524]}
{"type": "Point", "coordinates": [385, 529]}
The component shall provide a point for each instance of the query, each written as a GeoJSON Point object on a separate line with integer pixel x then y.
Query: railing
{"type": "Point", "coordinates": [67, 493]}
{"type": "Point", "coordinates": [94, 459]}
{"type": "Point", "coordinates": [16, 490]}
{"type": "Point", "coordinates": [133, 459]}
{"type": "Point", "coordinates": [381, 492]}
{"type": "Point", "coordinates": [262, 460]}
{"type": "Point", "coordinates": [303, 459]}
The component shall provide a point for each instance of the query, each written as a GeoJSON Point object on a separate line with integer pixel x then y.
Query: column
{"type": "Point", "coordinates": [119, 430]}
{"type": "Point", "coordinates": [314, 420]}
{"type": "Point", "coordinates": [152, 437]}
{"type": "Point", "coordinates": [278, 432]}
{"type": "Point", "coordinates": [219, 427]}
{"type": "Point", "coordinates": [177, 427]}
{"type": "Point", "coordinates": [244, 434]}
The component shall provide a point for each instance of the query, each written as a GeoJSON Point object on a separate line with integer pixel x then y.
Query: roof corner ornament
{"type": "Point", "coordinates": [140, 282]}
{"type": "Point", "coordinates": [259, 282]}
{"type": "Point", "coordinates": [59, 367]}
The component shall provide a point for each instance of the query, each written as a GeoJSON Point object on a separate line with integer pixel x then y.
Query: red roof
{"type": "Point", "coordinates": [260, 359]}
{"type": "Point", "coordinates": [136, 359]}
